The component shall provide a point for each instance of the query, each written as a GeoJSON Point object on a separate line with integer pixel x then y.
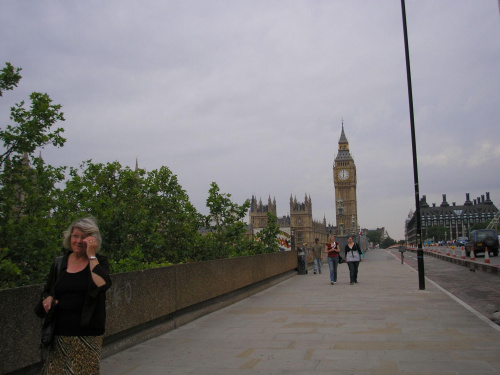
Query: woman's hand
{"type": "Point", "coordinates": [47, 303]}
{"type": "Point", "coordinates": [91, 244]}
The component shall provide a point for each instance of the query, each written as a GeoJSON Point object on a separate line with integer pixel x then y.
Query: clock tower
{"type": "Point", "coordinates": [345, 181]}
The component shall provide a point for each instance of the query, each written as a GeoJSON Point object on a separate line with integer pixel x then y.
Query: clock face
{"type": "Point", "coordinates": [343, 174]}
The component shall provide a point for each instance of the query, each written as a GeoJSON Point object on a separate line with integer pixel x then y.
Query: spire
{"type": "Point", "coordinates": [343, 138]}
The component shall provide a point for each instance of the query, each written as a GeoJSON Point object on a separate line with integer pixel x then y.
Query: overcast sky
{"type": "Point", "coordinates": [251, 94]}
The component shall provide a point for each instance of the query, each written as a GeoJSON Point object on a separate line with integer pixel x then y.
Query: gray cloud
{"type": "Point", "coordinates": [251, 94]}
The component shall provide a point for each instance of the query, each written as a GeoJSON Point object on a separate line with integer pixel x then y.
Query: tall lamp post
{"type": "Point", "coordinates": [340, 208]}
{"type": "Point", "coordinates": [420, 252]}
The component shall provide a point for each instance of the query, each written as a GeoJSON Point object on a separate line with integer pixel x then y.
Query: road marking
{"type": "Point", "coordinates": [250, 364]}
{"type": "Point", "coordinates": [471, 309]}
{"type": "Point", "coordinates": [458, 300]}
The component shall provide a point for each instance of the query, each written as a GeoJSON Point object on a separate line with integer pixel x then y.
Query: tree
{"type": "Point", "coordinates": [267, 238]}
{"type": "Point", "coordinates": [436, 232]}
{"type": "Point", "coordinates": [226, 231]}
{"type": "Point", "coordinates": [27, 186]}
{"type": "Point", "coordinates": [145, 214]}
{"type": "Point", "coordinates": [387, 242]}
{"type": "Point", "coordinates": [374, 236]}
{"type": "Point", "coordinates": [9, 78]}
{"type": "Point", "coordinates": [476, 226]}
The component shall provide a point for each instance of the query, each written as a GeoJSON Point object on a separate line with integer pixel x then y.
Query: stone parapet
{"type": "Point", "coordinates": [142, 304]}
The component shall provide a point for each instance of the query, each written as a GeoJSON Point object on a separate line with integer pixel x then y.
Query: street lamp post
{"type": "Point", "coordinates": [420, 252]}
{"type": "Point", "coordinates": [340, 208]}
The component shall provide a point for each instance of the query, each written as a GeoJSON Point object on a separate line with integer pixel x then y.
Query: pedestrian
{"type": "Point", "coordinates": [332, 248]}
{"type": "Point", "coordinates": [75, 295]}
{"type": "Point", "coordinates": [353, 257]}
{"type": "Point", "coordinates": [317, 251]}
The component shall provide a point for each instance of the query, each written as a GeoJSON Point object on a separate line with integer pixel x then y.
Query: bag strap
{"type": "Point", "coordinates": [57, 270]}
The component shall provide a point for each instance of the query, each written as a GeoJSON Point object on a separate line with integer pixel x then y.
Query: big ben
{"type": "Point", "coordinates": [345, 181]}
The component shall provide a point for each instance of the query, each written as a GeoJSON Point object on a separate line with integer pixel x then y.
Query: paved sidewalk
{"type": "Point", "coordinates": [383, 325]}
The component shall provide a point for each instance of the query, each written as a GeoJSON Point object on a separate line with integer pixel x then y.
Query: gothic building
{"type": "Point", "coordinates": [258, 212]}
{"type": "Point", "coordinates": [345, 182]}
{"type": "Point", "coordinates": [300, 220]}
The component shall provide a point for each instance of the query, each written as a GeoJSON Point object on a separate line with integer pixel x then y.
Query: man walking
{"type": "Point", "coordinates": [317, 250]}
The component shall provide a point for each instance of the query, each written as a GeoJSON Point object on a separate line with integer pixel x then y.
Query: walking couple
{"type": "Point", "coordinates": [353, 256]}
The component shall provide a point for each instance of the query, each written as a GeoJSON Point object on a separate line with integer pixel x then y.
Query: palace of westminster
{"type": "Point", "coordinates": [456, 219]}
{"type": "Point", "coordinates": [301, 221]}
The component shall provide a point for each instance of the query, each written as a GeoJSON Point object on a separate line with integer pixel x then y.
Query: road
{"type": "Point", "coordinates": [480, 290]}
{"type": "Point", "coordinates": [494, 260]}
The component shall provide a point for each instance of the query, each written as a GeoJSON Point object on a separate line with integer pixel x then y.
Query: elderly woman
{"type": "Point", "coordinates": [76, 290]}
{"type": "Point", "coordinates": [353, 257]}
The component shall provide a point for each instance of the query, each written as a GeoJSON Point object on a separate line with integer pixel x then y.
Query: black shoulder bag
{"type": "Point", "coordinates": [49, 323]}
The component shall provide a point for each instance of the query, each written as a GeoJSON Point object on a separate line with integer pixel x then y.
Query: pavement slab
{"type": "Point", "coordinates": [382, 325]}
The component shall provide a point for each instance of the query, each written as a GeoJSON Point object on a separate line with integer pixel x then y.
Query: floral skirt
{"type": "Point", "coordinates": [79, 355]}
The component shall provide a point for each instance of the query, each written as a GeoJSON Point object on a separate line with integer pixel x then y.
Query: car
{"type": "Point", "coordinates": [461, 241]}
{"type": "Point", "coordinates": [481, 239]}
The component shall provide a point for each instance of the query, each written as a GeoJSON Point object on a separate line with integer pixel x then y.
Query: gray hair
{"type": "Point", "coordinates": [88, 225]}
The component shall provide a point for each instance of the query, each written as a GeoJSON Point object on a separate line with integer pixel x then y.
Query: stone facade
{"type": "Point", "coordinates": [300, 221]}
{"type": "Point", "coordinates": [305, 228]}
{"type": "Point", "coordinates": [345, 182]}
{"type": "Point", "coordinates": [457, 220]}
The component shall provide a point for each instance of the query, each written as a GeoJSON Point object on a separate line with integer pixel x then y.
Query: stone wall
{"type": "Point", "coordinates": [140, 304]}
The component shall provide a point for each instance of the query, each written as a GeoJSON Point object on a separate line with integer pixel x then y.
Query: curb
{"type": "Point", "coordinates": [494, 269]}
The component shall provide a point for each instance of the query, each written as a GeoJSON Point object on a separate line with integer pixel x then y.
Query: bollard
{"type": "Point", "coordinates": [486, 255]}
{"type": "Point", "coordinates": [402, 250]}
{"type": "Point", "coordinates": [302, 260]}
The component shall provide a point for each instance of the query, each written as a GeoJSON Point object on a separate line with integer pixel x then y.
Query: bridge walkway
{"type": "Point", "coordinates": [382, 325]}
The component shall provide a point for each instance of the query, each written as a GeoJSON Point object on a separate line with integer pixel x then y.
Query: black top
{"type": "Point", "coordinates": [82, 302]}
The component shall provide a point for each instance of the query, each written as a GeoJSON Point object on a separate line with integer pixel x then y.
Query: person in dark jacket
{"type": "Point", "coordinates": [75, 295]}
{"type": "Point", "coordinates": [353, 256]}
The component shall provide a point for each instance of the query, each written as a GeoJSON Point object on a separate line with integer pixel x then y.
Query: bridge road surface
{"type": "Point", "coordinates": [382, 325]}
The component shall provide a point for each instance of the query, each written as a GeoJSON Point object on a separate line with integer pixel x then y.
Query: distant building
{"type": "Point", "coordinates": [457, 220]}
{"type": "Point", "coordinates": [345, 182]}
{"type": "Point", "coordinates": [382, 231]}
{"type": "Point", "coordinates": [300, 220]}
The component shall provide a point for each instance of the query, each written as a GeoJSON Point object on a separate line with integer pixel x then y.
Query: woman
{"type": "Point", "coordinates": [77, 292]}
{"type": "Point", "coordinates": [333, 251]}
{"type": "Point", "coordinates": [353, 257]}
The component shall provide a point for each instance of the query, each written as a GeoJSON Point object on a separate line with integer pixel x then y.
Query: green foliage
{"type": "Point", "coordinates": [387, 242]}
{"type": "Point", "coordinates": [436, 232]}
{"type": "Point", "coordinates": [134, 261]}
{"type": "Point", "coordinates": [10, 274]}
{"type": "Point", "coordinates": [33, 129]}
{"type": "Point", "coordinates": [267, 238]}
{"type": "Point", "coordinates": [134, 210]}
{"type": "Point", "coordinates": [477, 226]}
{"type": "Point", "coordinates": [9, 78]}
{"type": "Point", "coordinates": [145, 219]}
{"type": "Point", "coordinates": [226, 231]}
{"type": "Point", "coordinates": [374, 236]}
{"type": "Point", "coordinates": [28, 190]}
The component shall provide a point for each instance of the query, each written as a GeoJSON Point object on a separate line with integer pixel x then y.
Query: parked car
{"type": "Point", "coordinates": [480, 240]}
{"type": "Point", "coordinates": [461, 241]}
